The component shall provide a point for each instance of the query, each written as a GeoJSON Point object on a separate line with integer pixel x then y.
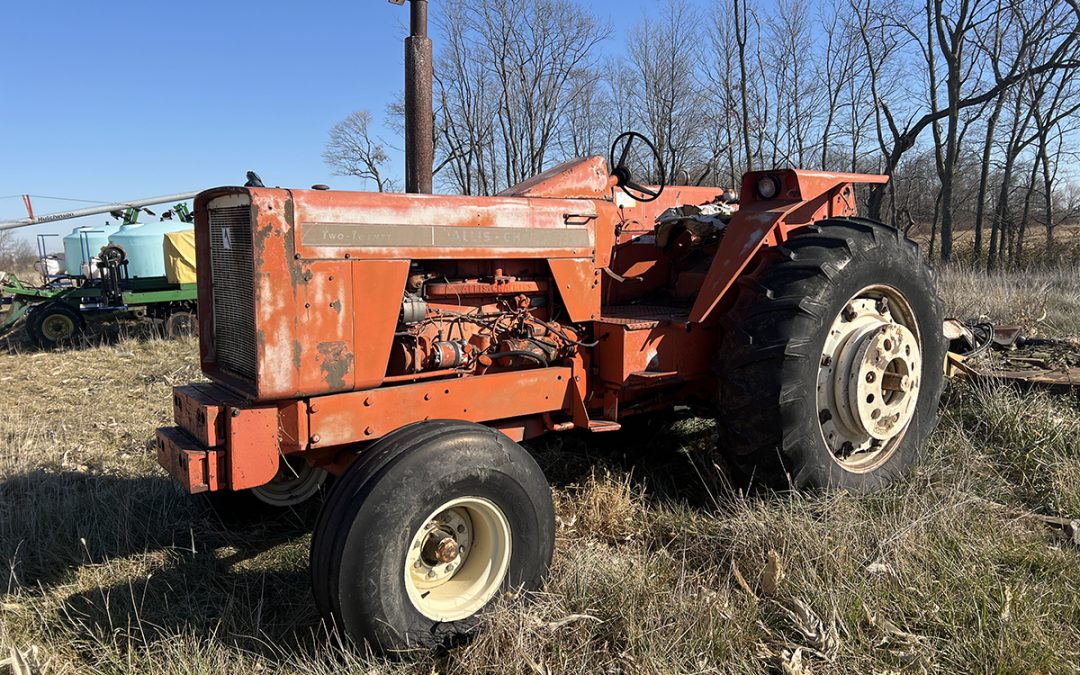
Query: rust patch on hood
{"type": "Point", "coordinates": [335, 362]}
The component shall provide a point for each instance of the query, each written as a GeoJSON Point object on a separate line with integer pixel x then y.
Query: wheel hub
{"type": "Point", "coordinates": [58, 328]}
{"type": "Point", "coordinates": [881, 387]}
{"type": "Point", "coordinates": [440, 548]}
{"type": "Point", "coordinates": [868, 380]}
{"type": "Point", "coordinates": [458, 559]}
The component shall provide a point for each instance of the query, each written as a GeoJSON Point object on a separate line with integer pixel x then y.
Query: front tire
{"type": "Point", "coordinates": [831, 362]}
{"type": "Point", "coordinates": [425, 529]}
{"type": "Point", "coordinates": [296, 486]}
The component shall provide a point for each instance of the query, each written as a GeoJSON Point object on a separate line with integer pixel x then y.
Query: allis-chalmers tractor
{"type": "Point", "coordinates": [406, 344]}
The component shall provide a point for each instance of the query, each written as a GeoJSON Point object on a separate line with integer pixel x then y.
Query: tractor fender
{"type": "Point", "coordinates": [803, 197]}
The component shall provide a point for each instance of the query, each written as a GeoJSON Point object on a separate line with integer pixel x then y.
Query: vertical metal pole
{"type": "Point", "coordinates": [419, 114]}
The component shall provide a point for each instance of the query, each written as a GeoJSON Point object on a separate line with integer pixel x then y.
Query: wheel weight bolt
{"type": "Point", "coordinates": [825, 415]}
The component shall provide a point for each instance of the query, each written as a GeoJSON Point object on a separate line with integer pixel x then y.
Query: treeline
{"type": "Point", "coordinates": [970, 105]}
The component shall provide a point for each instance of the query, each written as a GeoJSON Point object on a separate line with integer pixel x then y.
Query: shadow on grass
{"type": "Point", "coordinates": [669, 458]}
{"type": "Point", "coordinates": [158, 561]}
{"type": "Point", "coordinates": [51, 524]}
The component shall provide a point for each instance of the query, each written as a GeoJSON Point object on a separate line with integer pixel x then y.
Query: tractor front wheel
{"type": "Point", "coordinates": [424, 530]}
{"type": "Point", "coordinates": [296, 486]}
{"type": "Point", "coordinates": [831, 362]}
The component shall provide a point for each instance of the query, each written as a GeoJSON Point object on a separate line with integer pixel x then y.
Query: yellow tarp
{"type": "Point", "coordinates": [180, 257]}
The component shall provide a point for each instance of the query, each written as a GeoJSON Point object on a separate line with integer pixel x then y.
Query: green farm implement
{"type": "Point", "coordinates": [64, 304]}
{"type": "Point", "coordinates": [56, 313]}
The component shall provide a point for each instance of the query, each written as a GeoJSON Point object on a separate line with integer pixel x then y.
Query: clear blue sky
{"type": "Point", "coordinates": [120, 100]}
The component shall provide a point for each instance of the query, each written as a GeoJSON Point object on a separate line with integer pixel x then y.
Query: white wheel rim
{"type": "Point", "coordinates": [57, 327]}
{"type": "Point", "coordinates": [869, 378]}
{"type": "Point", "coordinates": [295, 483]}
{"type": "Point", "coordinates": [458, 559]}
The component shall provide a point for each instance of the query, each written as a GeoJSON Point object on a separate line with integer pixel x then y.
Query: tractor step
{"type": "Point", "coordinates": [598, 426]}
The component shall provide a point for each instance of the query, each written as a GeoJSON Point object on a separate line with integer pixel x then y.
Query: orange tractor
{"type": "Point", "coordinates": [405, 344]}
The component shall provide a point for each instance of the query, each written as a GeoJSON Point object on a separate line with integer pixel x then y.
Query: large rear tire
{"type": "Point", "coordinates": [831, 361]}
{"type": "Point", "coordinates": [424, 530]}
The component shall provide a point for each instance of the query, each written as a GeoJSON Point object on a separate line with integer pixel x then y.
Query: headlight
{"type": "Point", "coordinates": [768, 187]}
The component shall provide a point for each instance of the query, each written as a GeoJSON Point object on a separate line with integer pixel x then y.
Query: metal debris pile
{"type": "Point", "coordinates": [1004, 353]}
{"type": "Point", "coordinates": [703, 222]}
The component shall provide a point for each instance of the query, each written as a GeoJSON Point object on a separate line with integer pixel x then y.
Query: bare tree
{"type": "Point", "coordinates": [665, 64]}
{"type": "Point", "coordinates": [16, 254]}
{"type": "Point", "coordinates": [510, 71]}
{"type": "Point", "coordinates": [1054, 30]}
{"type": "Point", "coordinates": [352, 151]}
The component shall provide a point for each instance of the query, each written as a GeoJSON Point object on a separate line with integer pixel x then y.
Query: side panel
{"type": "Point", "coordinates": [324, 353]}
{"type": "Point", "coordinates": [377, 287]}
{"type": "Point", "coordinates": [341, 419]}
{"type": "Point", "coordinates": [578, 282]}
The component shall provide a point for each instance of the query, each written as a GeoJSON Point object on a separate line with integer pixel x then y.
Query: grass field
{"type": "Point", "coordinates": [660, 567]}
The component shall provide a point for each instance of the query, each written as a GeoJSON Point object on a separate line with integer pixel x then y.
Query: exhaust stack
{"type": "Point", "coordinates": [419, 114]}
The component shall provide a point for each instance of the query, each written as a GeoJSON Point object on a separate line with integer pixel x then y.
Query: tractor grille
{"type": "Point", "coordinates": [233, 289]}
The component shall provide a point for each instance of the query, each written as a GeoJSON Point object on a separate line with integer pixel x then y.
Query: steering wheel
{"type": "Point", "coordinates": [622, 173]}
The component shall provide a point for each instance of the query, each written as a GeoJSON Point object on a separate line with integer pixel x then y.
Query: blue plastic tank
{"type": "Point", "coordinates": [144, 245]}
{"type": "Point", "coordinates": [83, 239]}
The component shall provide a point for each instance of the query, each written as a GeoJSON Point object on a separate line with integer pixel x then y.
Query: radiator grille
{"type": "Point", "coordinates": [233, 289]}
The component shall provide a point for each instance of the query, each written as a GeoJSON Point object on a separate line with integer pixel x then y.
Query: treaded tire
{"type": "Point", "coordinates": [362, 536]}
{"type": "Point", "coordinates": [35, 324]}
{"type": "Point", "coordinates": [772, 347]}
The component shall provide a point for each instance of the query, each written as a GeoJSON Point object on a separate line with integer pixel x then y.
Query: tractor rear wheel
{"type": "Point", "coordinates": [424, 530]}
{"type": "Point", "coordinates": [831, 361]}
{"type": "Point", "coordinates": [54, 324]}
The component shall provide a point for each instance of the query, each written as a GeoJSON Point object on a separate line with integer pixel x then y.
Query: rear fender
{"type": "Point", "coordinates": [803, 198]}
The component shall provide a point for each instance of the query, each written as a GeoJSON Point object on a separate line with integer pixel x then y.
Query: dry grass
{"type": "Point", "coordinates": [660, 567]}
{"type": "Point", "coordinates": [1048, 299]}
